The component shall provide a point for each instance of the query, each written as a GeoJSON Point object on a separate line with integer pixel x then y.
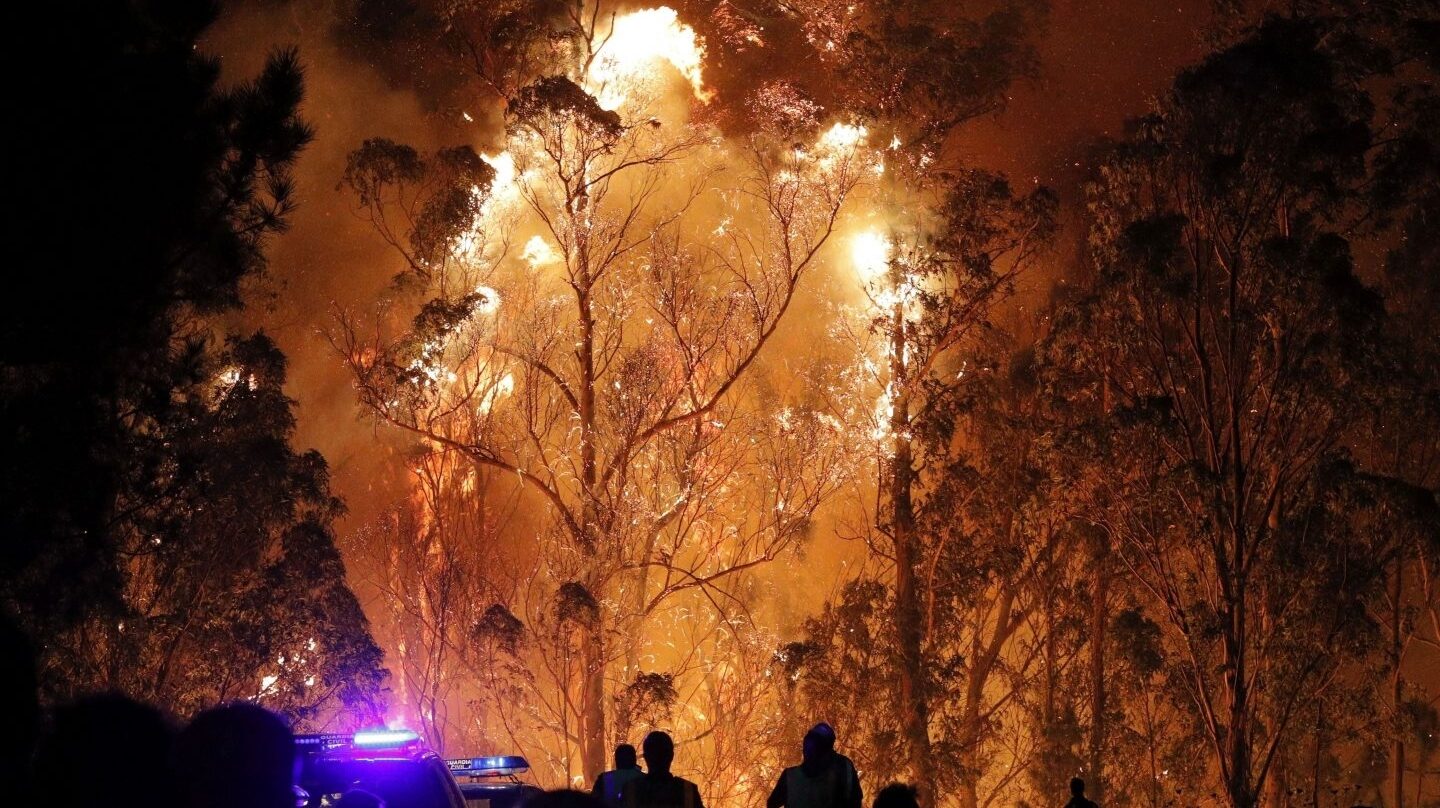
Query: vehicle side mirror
{"type": "Point", "coordinates": [302, 797]}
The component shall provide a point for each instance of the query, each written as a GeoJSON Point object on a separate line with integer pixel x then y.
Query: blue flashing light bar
{"type": "Point", "coordinates": [383, 738]}
{"type": "Point", "coordinates": [323, 742]}
{"type": "Point", "coordinates": [488, 766]}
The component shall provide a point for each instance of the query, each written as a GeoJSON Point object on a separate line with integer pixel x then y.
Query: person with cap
{"type": "Point", "coordinates": [824, 779]}
{"type": "Point", "coordinates": [610, 785]}
{"type": "Point", "coordinates": [658, 788]}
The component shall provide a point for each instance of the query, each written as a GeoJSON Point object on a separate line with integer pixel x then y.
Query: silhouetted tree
{"type": "Point", "coordinates": [1239, 347]}
{"type": "Point", "coordinates": [161, 537]}
{"type": "Point", "coordinates": [943, 266]}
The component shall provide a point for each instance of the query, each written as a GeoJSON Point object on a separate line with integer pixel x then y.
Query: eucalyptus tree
{"type": "Point", "coordinates": [1238, 347]}
{"type": "Point", "coordinates": [609, 365]}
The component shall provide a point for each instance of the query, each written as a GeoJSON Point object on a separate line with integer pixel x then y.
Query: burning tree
{"type": "Point", "coordinates": [933, 281]}
{"type": "Point", "coordinates": [428, 557]}
{"type": "Point", "coordinates": [599, 366]}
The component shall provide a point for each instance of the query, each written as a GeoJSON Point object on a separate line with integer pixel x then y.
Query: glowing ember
{"type": "Point", "coordinates": [538, 252]}
{"type": "Point", "coordinates": [635, 44]}
{"type": "Point", "coordinates": [870, 253]}
{"type": "Point", "coordinates": [489, 302]}
{"type": "Point", "coordinates": [844, 136]}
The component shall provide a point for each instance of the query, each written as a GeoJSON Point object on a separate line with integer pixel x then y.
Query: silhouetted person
{"type": "Point", "coordinates": [609, 786]}
{"type": "Point", "coordinates": [658, 788]}
{"type": "Point", "coordinates": [1077, 795]}
{"type": "Point", "coordinates": [824, 779]}
{"type": "Point", "coordinates": [106, 750]}
{"type": "Point", "coordinates": [897, 795]}
{"type": "Point", "coordinates": [237, 756]}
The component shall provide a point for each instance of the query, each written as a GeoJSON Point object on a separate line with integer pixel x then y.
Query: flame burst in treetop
{"type": "Point", "coordinates": [636, 43]}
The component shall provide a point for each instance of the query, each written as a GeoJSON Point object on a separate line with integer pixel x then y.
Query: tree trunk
{"type": "Point", "coordinates": [592, 702]}
{"type": "Point", "coordinates": [1319, 747]}
{"type": "Point", "coordinates": [1099, 619]}
{"type": "Point", "coordinates": [1151, 751]}
{"type": "Point", "coordinates": [914, 716]}
{"type": "Point", "coordinates": [1277, 786]}
{"type": "Point", "coordinates": [592, 689]}
{"type": "Point", "coordinates": [970, 740]}
{"type": "Point", "coordinates": [1238, 752]}
{"type": "Point", "coordinates": [1047, 708]}
{"type": "Point", "coordinates": [969, 795]}
{"type": "Point", "coordinates": [1237, 739]}
{"type": "Point", "coordinates": [1397, 686]}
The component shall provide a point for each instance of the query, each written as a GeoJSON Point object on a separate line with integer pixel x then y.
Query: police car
{"type": "Point", "coordinates": [493, 782]}
{"type": "Point", "coordinates": [390, 768]}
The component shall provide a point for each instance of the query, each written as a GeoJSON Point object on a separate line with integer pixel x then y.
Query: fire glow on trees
{"type": "Point", "coordinates": [705, 300]}
{"type": "Point", "coordinates": [610, 452]}
{"type": "Point", "coordinates": [622, 385]}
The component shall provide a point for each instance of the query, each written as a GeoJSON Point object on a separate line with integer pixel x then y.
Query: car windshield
{"type": "Point", "coordinates": [400, 783]}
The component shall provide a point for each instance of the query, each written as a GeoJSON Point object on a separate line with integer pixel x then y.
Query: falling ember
{"type": "Point", "coordinates": [635, 43]}
{"type": "Point", "coordinates": [870, 253]}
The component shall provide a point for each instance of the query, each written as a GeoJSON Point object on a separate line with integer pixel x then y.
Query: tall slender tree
{"type": "Point", "coordinates": [1237, 343]}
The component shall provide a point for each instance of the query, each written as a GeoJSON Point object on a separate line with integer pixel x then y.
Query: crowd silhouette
{"type": "Point", "coordinates": [114, 751]}
{"type": "Point", "coordinates": [111, 750]}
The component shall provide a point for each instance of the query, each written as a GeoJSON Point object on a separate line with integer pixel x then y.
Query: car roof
{"type": "Point", "coordinates": [331, 761]}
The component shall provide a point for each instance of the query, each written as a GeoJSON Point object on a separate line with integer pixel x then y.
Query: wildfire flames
{"type": "Point", "coordinates": [870, 253]}
{"type": "Point", "coordinates": [640, 58]}
{"type": "Point", "coordinates": [662, 319]}
{"type": "Point", "coordinates": [733, 366]}
{"type": "Point", "coordinates": [633, 50]}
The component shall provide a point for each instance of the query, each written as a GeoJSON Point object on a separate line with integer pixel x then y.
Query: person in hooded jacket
{"type": "Point", "coordinates": [824, 779]}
